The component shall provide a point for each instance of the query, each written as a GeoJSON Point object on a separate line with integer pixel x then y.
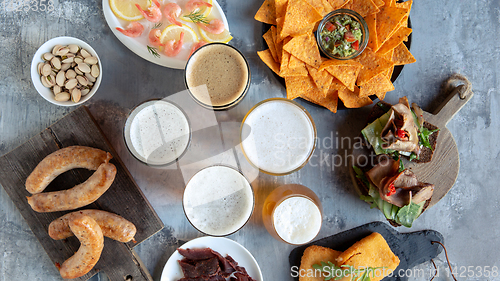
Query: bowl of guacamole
{"type": "Point", "coordinates": [342, 34]}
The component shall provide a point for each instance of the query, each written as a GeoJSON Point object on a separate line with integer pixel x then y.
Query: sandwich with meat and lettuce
{"type": "Point", "coordinates": [394, 132]}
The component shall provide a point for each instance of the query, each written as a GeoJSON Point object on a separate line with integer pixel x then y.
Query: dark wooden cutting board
{"type": "Point", "coordinates": [124, 197]}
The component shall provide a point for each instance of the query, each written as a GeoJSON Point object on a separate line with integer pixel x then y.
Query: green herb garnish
{"type": "Point", "coordinates": [196, 17]}
{"type": "Point", "coordinates": [360, 175]}
{"type": "Point", "coordinates": [158, 25]}
{"type": "Point", "coordinates": [334, 272]}
{"type": "Point", "coordinates": [424, 134]}
{"type": "Point", "coordinates": [153, 51]}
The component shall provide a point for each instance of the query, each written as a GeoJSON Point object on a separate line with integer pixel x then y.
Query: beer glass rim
{"type": "Point", "coordinates": [251, 189]}
{"type": "Point", "coordinates": [310, 120]}
{"type": "Point", "coordinates": [226, 106]}
{"type": "Point", "coordinates": [130, 117]}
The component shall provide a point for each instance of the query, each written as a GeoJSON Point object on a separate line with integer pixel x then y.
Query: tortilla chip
{"type": "Point", "coordinates": [298, 86]}
{"type": "Point", "coordinates": [345, 71]}
{"type": "Point", "coordinates": [285, 58]}
{"type": "Point", "coordinates": [379, 3]}
{"type": "Point", "coordinates": [388, 56]}
{"type": "Point", "coordinates": [299, 16]}
{"type": "Point", "coordinates": [390, 3]}
{"type": "Point", "coordinates": [280, 7]}
{"type": "Point", "coordinates": [351, 99]}
{"type": "Point", "coordinates": [330, 101]}
{"type": "Point", "coordinates": [296, 67]}
{"type": "Point", "coordinates": [327, 7]}
{"type": "Point", "coordinates": [388, 20]}
{"type": "Point", "coordinates": [266, 12]}
{"type": "Point", "coordinates": [373, 64]}
{"type": "Point", "coordinates": [371, 251]}
{"type": "Point", "coordinates": [405, 5]}
{"type": "Point", "coordinates": [363, 7]}
{"type": "Point", "coordinates": [381, 96]}
{"type": "Point", "coordinates": [322, 79]}
{"type": "Point", "coordinates": [318, 5]}
{"type": "Point", "coordinates": [402, 55]}
{"type": "Point", "coordinates": [268, 37]}
{"type": "Point", "coordinates": [371, 22]}
{"type": "Point", "coordinates": [279, 28]}
{"type": "Point", "coordinates": [304, 47]}
{"type": "Point", "coordinates": [379, 84]}
{"type": "Point", "coordinates": [268, 59]}
{"type": "Point", "coordinates": [395, 39]}
{"type": "Point", "coordinates": [337, 4]}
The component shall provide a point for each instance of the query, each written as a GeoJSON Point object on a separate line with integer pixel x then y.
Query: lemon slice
{"type": "Point", "coordinates": [223, 37]}
{"type": "Point", "coordinates": [126, 9]}
{"type": "Point", "coordinates": [202, 12]}
{"type": "Point", "coordinates": [173, 32]}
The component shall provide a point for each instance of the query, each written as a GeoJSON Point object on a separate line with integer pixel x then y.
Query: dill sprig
{"type": "Point", "coordinates": [196, 17]}
{"type": "Point", "coordinates": [158, 25]}
{"type": "Point", "coordinates": [153, 51]}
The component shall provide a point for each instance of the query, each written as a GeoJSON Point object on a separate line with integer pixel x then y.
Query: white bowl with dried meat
{"type": "Point", "coordinates": [66, 71]}
{"type": "Point", "coordinates": [229, 258]}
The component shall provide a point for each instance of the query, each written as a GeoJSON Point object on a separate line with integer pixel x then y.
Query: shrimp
{"type": "Point", "coordinates": [196, 46]}
{"type": "Point", "coordinates": [153, 14]}
{"type": "Point", "coordinates": [173, 48]}
{"type": "Point", "coordinates": [172, 11]}
{"type": "Point", "coordinates": [134, 29]}
{"type": "Point", "coordinates": [154, 37]}
{"type": "Point", "coordinates": [216, 26]}
{"type": "Point", "coordinates": [196, 4]}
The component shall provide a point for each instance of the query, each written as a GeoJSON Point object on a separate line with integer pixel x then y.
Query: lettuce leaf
{"type": "Point", "coordinates": [405, 215]}
{"type": "Point", "coordinates": [409, 213]}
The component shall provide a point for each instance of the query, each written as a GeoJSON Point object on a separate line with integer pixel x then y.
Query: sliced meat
{"type": "Point", "coordinates": [386, 167]}
{"type": "Point", "coordinates": [405, 180]}
{"type": "Point", "coordinates": [241, 277]}
{"type": "Point", "coordinates": [424, 194]}
{"type": "Point", "coordinates": [204, 268]}
{"type": "Point", "coordinates": [400, 198]}
{"type": "Point", "coordinates": [225, 267]}
{"type": "Point", "coordinates": [197, 254]}
{"type": "Point", "coordinates": [401, 119]}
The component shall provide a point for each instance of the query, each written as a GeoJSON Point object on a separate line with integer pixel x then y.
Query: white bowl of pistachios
{"type": "Point", "coordinates": [66, 71]}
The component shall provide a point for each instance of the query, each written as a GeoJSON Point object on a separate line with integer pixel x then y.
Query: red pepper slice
{"type": "Point", "coordinates": [392, 189]}
{"type": "Point", "coordinates": [349, 37]}
{"type": "Point", "coordinates": [401, 134]}
{"type": "Point", "coordinates": [355, 45]}
{"type": "Point", "coordinates": [330, 26]}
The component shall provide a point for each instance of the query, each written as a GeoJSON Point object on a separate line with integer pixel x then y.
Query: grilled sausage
{"type": "Point", "coordinates": [78, 196]}
{"type": "Point", "coordinates": [61, 161]}
{"type": "Point", "coordinates": [91, 239]}
{"type": "Point", "coordinates": [113, 226]}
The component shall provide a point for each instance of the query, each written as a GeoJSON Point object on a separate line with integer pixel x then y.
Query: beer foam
{"type": "Point", "coordinates": [278, 136]}
{"type": "Point", "coordinates": [297, 220]}
{"type": "Point", "coordinates": [222, 69]}
{"type": "Point", "coordinates": [158, 132]}
{"type": "Point", "coordinates": [218, 200]}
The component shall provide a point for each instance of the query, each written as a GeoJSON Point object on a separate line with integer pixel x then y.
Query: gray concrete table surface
{"type": "Point", "coordinates": [448, 37]}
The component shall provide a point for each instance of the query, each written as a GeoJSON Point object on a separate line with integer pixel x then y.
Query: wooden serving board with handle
{"type": "Point", "coordinates": [118, 260]}
{"type": "Point", "coordinates": [442, 171]}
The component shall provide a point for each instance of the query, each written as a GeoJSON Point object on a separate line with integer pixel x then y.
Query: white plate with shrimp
{"type": "Point", "coordinates": [139, 45]}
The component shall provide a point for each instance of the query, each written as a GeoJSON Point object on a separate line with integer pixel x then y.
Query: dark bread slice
{"type": "Point", "coordinates": [425, 152]}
